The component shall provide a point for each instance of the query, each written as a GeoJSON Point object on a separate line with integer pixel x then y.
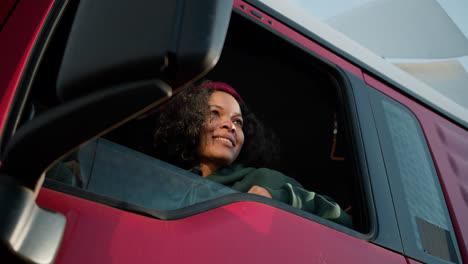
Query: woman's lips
{"type": "Point", "coordinates": [226, 141]}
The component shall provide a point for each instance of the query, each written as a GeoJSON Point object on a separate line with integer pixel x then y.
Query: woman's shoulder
{"type": "Point", "coordinates": [270, 175]}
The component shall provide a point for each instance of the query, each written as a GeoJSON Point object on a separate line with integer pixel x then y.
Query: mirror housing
{"type": "Point", "coordinates": [116, 41]}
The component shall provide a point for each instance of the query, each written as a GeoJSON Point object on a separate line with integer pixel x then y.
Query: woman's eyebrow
{"type": "Point", "coordinates": [216, 106]}
{"type": "Point", "coordinates": [237, 114]}
{"type": "Point", "coordinates": [220, 107]}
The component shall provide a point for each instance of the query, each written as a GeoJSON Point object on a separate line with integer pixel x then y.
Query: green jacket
{"type": "Point", "coordinates": [282, 188]}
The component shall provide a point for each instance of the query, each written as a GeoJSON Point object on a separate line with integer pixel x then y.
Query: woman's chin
{"type": "Point", "coordinates": [224, 160]}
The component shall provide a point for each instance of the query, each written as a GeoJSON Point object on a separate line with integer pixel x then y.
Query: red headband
{"type": "Point", "coordinates": [220, 86]}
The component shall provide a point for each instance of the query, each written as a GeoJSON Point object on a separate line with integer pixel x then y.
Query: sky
{"type": "Point", "coordinates": [455, 9]}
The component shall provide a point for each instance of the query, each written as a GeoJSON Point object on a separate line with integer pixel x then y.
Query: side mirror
{"type": "Point", "coordinates": [122, 58]}
{"type": "Point", "coordinates": [114, 42]}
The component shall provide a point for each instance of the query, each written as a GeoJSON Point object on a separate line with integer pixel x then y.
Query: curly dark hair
{"type": "Point", "coordinates": [180, 123]}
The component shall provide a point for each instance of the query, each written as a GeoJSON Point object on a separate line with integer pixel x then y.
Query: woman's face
{"type": "Point", "coordinates": [221, 137]}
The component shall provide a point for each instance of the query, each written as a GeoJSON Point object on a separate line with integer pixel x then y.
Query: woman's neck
{"type": "Point", "coordinates": [208, 168]}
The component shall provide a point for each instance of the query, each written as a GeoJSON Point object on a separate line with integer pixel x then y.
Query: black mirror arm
{"type": "Point", "coordinates": [53, 134]}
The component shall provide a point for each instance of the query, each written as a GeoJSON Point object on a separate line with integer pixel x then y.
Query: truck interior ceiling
{"type": "Point", "coordinates": [294, 93]}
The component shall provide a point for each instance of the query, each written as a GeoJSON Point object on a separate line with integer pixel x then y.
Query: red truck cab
{"type": "Point", "coordinates": [81, 86]}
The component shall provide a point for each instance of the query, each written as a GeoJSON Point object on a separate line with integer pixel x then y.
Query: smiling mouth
{"type": "Point", "coordinates": [225, 140]}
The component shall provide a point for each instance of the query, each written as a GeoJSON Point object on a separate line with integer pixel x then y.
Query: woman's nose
{"type": "Point", "coordinates": [229, 125]}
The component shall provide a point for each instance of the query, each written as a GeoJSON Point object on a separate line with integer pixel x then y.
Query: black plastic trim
{"type": "Point", "coordinates": [192, 209]}
{"type": "Point", "coordinates": [255, 13]}
{"type": "Point", "coordinates": [357, 152]}
{"type": "Point", "coordinates": [388, 229]}
{"type": "Point", "coordinates": [408, 231]}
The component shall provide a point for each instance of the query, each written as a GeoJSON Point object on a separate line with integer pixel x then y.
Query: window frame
{"type": "Point", "coordinates": [374, 176]}
{"type": "Point", "coordinates": [347, 85]}
{"type": "Point", "coordinates": [408, 233]}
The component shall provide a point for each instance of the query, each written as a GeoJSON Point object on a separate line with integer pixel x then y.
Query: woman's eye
{"type": "Point", "coordinates": [214, 113]}
{"type": "Point", "coordinates": [238, 122]}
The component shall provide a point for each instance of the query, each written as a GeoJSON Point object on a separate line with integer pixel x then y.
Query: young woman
{"type": "Point", "coordinates": [209, 130]}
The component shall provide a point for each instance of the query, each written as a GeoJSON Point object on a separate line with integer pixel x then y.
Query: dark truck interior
{"type": "Point", "coordinates": [293, 92]}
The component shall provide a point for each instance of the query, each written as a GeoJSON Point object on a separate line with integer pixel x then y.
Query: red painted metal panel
{"type": "Point", "coordinates": [448, 144]}
{"type": "Point", "coordinates": [242, 232]}
{"type": "Point", "coordinates": [412, 261]}
{"type": "Point", "coordinates": [16, 41]}
{"type": "Point", "coordinates": [300, 39]}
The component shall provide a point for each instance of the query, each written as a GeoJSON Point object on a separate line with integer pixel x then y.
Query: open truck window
{"type": "Point", "coordinates": [305, 100]}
